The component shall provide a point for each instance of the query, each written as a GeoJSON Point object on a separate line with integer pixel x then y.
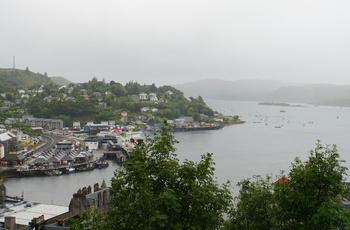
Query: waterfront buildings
{"type": "Point", "coordinates": [18, 214]}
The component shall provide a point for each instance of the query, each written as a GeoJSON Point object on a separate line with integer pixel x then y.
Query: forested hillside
{"type": "Point", "coordinates": [100, 101]}
{"type": "Point", "coordinates": [61, 80]}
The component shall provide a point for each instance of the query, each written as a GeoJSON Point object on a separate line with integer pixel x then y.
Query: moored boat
{"type": "Point", "coordinates": [54, 172]}
{"type": "Point", "coordinates": [85, 167]}
{"type": "Point", "coordinates": [71, 170]}
{"type": "Point", "coordinates": [102, 164]}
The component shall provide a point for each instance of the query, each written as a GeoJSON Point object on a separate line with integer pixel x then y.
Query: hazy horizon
{"type": "Point", "coordinates": [176, 42]}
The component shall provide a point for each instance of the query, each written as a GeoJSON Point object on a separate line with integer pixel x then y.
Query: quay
{"type": "Point", "coordinates": [55, 162]}
{"type": "Point", "coordinates": [117, 152]}
{"type": "Point", "coordinates": [26, 171]}
{"type": "Point", "coordinates": [195, 128]}
{"type": "Point", "coordinates": [60, 153]}
{"type": "Point", "coordinates": [52, 157]}
{"type": "Point", "coordinates": [58, 170]}
{"type": "Point", "coordinates": [119, 156]}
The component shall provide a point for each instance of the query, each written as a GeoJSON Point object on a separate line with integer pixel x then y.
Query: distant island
{"type": "Point", "coordinates": [279, 104]}
{"type": "Point", "coordinates": [274, 103]}
{"type": "Point", "coordinates": [268, 90]}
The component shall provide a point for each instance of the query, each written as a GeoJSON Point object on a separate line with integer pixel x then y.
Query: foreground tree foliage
{"type": "Point", "coordinates": [90, 220]}
{"type": "Point", "coordinates": [155, 191]}
{"type": "Point", "coordinates": [308, 198]}
{"type": "Point", "coordinates": [254, 209]}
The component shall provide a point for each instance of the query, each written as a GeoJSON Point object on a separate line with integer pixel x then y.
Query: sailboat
{"type": "Point", "coordinates": [278, 126]}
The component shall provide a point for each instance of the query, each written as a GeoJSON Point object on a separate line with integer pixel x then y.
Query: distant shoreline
{"type": "Point", "coordinates": [233, 123]}
{"type": "Point", "coordinates": [268, 103]}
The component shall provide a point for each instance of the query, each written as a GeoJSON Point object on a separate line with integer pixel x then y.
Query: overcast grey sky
{"type": "Point", "coordinates": [171, 42]}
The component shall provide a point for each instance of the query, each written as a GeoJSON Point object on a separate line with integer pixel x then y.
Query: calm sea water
{"type": "Point", "coordinates": [239, 151]}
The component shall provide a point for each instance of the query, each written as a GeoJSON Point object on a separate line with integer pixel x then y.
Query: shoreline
{"type": "Point", "coordinates": [16, 172]}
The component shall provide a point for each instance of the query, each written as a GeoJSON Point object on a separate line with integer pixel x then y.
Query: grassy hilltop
{"type": "Point", "coordinates": [23, 78]}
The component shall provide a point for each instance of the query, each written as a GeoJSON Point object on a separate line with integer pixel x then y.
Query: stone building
{"type": "Point", "coordinates": [45, 123]}
{"type": "Point", "coordinates": [85, 199]}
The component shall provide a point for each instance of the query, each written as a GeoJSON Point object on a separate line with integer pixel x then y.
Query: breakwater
{"type": "Point", "coordinates": [196, 128]}
{"type": "Point", "coordinates": [13, 172]}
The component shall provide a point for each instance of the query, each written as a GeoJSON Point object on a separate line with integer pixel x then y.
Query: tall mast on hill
{"type": "Point", "coordinates": [14, 63]}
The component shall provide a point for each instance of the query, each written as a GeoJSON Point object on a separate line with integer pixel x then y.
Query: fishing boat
{"type": "Point", "coordinates": [102, 163]}
{"type": "Point", "coordinates": [54, 172]}
{"type": "Point", "coordinates": [70, 170]}
{"type": "Point", "coordinates": [85, 167]}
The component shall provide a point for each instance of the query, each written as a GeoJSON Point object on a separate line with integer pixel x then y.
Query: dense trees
{"type": "Point", "coordinates": [90, 220]}
{"type": "Point", "coordinates": [97, 100]}
{"type": "Point", "coordinates": [87, 97]}
{"type": "Point", "coordinates": [75, 109]}
{"type": "Point", "coordinates": [117, 89]}
{"type": "Point", "coordinates": [155, 191]}
{"type": "Point", "coordinates": [309, 197]}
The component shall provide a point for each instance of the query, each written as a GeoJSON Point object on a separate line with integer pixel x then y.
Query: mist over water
{"type": "Point", "coordinates": [239, 151]}
{"type": "Point", "coordinates": [260, 148]}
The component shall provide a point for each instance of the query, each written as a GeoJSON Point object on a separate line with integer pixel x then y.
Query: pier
{"type": "Point", "coordinates": [50, 171]}
{"type": "Point", "coordinates": [195, 128]}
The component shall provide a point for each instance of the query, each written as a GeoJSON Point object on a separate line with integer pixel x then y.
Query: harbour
{"type": "Point", "coordinates": [55, 162]}
{"type": "Point", "coordinates": [239, 151]}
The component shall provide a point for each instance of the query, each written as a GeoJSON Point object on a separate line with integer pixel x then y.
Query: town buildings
{"type": "Point", "coordinates": [18, 214]}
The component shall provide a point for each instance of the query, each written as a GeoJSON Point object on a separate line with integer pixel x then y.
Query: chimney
{"type": "Point", "coordinates": [89, 189]}
{"type": "Point", "coordinates": [10, 222]}
{"type": "Point", "coordinates": [96, 187]}
{"type": "Point", "coordinates": [84, 190]}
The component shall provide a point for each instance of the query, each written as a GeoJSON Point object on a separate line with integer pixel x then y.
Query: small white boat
{"type": "Point", "coordinates": [55, 172]}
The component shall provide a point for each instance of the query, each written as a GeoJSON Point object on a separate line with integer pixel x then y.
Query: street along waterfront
{"type": "Point", "coordinates": [239, 151]}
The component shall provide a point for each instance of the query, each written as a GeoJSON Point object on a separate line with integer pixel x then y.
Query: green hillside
{"type": "Point", "coordinates": [60, 81]}
{"type": "Point", "coordinates": [23, 78]}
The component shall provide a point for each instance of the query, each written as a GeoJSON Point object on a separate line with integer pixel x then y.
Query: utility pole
{"type": "Point", "coordinates": [14, 63]}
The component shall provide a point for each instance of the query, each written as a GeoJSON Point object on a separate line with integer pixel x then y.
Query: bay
{"type": "Point", "coordinates": [239, 151]}
{"type": "Point", "coordinates": [257, 147]}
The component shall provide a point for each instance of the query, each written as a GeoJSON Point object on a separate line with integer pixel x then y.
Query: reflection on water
{"type": "Point", "coordinates": [240, 151]}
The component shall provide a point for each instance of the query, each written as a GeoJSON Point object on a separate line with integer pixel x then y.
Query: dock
{"type": "Point", "coordinates": [195, 128]}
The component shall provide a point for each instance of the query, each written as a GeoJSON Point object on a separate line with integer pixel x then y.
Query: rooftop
{"type": "Point", "coordinates": [24, 212]}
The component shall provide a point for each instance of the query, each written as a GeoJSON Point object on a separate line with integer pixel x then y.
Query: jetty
{"type": "Point", "coordinates": [56, 170]}
{"type": "Point", "coordinates": [195, 128]}
{"type": "Point", "coordinates": [118, 152]}
{"type": "Point", "coordinates": [56, 162]}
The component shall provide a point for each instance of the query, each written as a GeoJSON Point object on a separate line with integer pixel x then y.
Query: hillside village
{"type": "Point", "coordinates": [94, 111]}
{"type": "Point", "coordinates": [96, 101]}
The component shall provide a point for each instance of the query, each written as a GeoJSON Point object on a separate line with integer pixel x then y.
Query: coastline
{"type": "Point", "coordinates": [234, 123]}
{"type": "Point", "coordinates": [212, 127]}
{"type": "Point", "coordinates": [16, 172]}
{"type": "Point", "coordinates": [196, 128]}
